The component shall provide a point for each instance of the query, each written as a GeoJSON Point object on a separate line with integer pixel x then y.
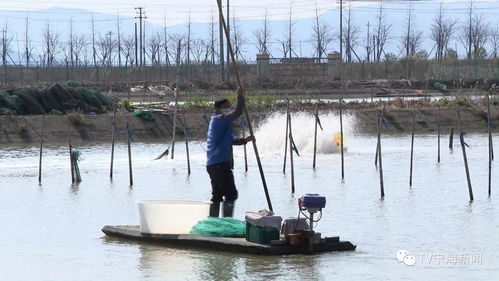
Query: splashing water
{"type": "Point", "coordinates": [270, 134]}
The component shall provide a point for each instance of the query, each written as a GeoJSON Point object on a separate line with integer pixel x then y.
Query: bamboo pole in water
{"type": "Point", "coordinates": [315, 131]}
{"type": "Point", "coordinates": [438, 134]}
{"type": "Point", "coordinates": [412, 143]}
{"type": "Point", "coordinates": [451, 138]}
{"type": "Point", "coordinates": [463, 147]}
{"type": "Point", "coordinates": [286, 137]}
{"type": "Point", "coordinates": [130, 172]}
{"type": "Point", "coordinates": [41, 152]}
{"type": "Point", "coordinates": [378, 124]}
{"type": "Point", "coordinates": [248, 121]}
{"type": "Point", "coordinates": [381, 181]}
{"type": "Point", "coordinates": [71, 154]}
{"type": "Point", "coordinates": [187, 147]}
{"type": "Point", "coordinates": [291, 155]}
{"type": "Point", "coordinates": [244, 147]}
{"type": "Point", "coordinates": [175, 107]}
{"type": "Point", "coordinates": [489, 126]}
{"type": "Point", "coordinates": [113, 129]}
{"type": "Point", "coordinates": [491, 151]}
{"type": "Point", "coordinates": [341, 134]}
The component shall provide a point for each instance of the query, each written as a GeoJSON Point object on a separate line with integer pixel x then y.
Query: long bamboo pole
{"type": "Point", "coordinates": [71, 154]}
{"type": "Point", "coordinates": [129, 137]}
{"type": "Point", "coordinates": [187, 147]}
{"type": "Point", "coordinates": [412, 143]}
{"type": "Point", "coordinates": [341, 134]}
{"type": "Point", "coordinates": [244, 147]}
{"type": "Point", "coordinates": [438, 134]}
{"type": "Point", "coordinates": [463, 147]}
{"type": "Point", "coordinates": [491, 150]}
{"type": "Point", "coordinates": [381, 180]}
{"type": "Point", "coordinates": [291, 155]}
{"type": "Point", "coordinates": [248, 121]}
{"type": "Point", "coordinates": [286, 137]}
{"type": "Point", "coordinates": [113, 129]}
{"type": "Point", "coordinates": [175, 107]}
{"type": "Point", "coordinates": [41, 152]}
{"type": "Point", "coordinates": [315, 131]}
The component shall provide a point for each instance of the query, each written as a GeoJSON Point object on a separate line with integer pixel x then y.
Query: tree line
{"type": "Point", "coordinates": [478, 37]}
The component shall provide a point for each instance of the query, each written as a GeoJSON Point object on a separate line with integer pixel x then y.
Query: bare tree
{"type": "Point", "coordinates": [382, 33]}
{"type": "Point", "coordinates": [474, 33]}
{"type": "Point", "coordinates": [287, 41]}
{"type": "Point", "coordinates": [237, 38]}
{"type": "Point", "coordinates": [80, 45]}
{"type": "Point", "coordinates": [199, 50]}
{"type": "Point", "coordinates": [213, 39]}
{"type": "Point", "coordinates": [188, 41]}
{"type": "Point", "coordinates": [494, 41]}
{"type": "Point", "coordinates": [6, 40]}
{"type": "Point", "coordinates": [412, 40]}
{"type": "Point", "coordinates": [351, 33]}
{"type": "Point", "coordinates": [177, 45]}
{"type": "Point", "coordinates": [94, 50]}
{"type": "Point", "coordinates": [155, 44]}
{"type": "Point", "coordinates": [129, 50]}
{"type": "Point", "coordinates": [119, 39]}
{"type": "Point", "coordinates": [165, 42]}
{"type": "Point", "coordinates": [70, 51]}
{"type": "Point", "coordinates": [441, 31]}
{"type": "Point", "coordinates": [28, 47]}
{"type": "Point", "coordinates": [52, 45]}
{"type": "Point", "coordinates": [322, 35]}
{"type": "Point", "coordinates": [262, 35]}
{"type": "Point", "coordinates": [106, 45]}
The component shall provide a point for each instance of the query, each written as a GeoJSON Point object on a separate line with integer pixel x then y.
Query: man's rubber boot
{"type": "Point", "coordinates": [215, 209]}
{"type": "Point", "coordinates": [228, 209]}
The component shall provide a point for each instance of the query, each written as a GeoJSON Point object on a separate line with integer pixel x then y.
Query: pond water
{"type": "Point", "coordinates": [52, 231]}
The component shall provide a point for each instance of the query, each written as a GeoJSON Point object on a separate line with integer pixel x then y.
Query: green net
{"type": "Point", "coordinates": [71, 83]}
{"type": "Point", "coordinates": [144, 114]}
{"type": "Point", "coordinates": [9, 103]}
{"type": "Point", "coordinates": [219, 227]}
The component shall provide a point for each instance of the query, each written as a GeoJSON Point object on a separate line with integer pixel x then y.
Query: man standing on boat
{"type": "Point", "coordinates": [219, 162]}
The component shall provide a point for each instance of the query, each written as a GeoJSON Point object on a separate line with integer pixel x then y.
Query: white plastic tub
{"type": "Point", "coordinates": [171, 216]}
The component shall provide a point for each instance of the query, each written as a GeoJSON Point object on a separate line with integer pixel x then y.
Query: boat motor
{"type": "Point", "coordinates": [312, 203]}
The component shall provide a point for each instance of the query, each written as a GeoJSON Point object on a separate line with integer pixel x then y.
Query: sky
{"type": "Point", "coordinates": [178, 12]}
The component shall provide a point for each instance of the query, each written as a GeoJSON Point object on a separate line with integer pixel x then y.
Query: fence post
{"type": "Point", "coordinates": [262, 65]}
{"type": "Point", "coordinates": [333, 65]}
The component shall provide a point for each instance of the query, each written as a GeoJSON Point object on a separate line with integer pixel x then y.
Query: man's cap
{"type": "Point", "coordinates": [220, 102]}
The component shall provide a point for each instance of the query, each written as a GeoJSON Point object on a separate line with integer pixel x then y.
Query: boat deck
{"type": "Point", "coordinates": [239, 245]}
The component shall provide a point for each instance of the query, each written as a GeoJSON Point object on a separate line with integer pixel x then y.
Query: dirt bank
{"type": "Point", "coordinates": [87, 129]}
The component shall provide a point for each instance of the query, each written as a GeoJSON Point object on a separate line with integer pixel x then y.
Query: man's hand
{"type": "Point", "coordinates": [249, 138]}
{"type": "Point", "coordinates": [240, 91]}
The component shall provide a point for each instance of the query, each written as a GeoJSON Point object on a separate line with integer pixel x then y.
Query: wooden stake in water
{"type": "Point", "coordinates": [412, 143]}
{"type": "Point", "coordinates": [315, 130]}
{"type": "Point", "coordinates": [129, 137]}
{"type": "Point", "coordinates": [491, 150]}
{"type": "Point", "coordinates": [291, 156]}
{"type": "Point", "coordinates": [451, 138]}
{"type": "Point", "coordinates": [113, 129]}
{"type": "Point", "coordinates": [41, 152]}
{"type": "Point", "coordinates": [244, 146]}
{"type": "Point", "coordinates": [489, 128]}
{"type": "Point", "coordinates": [175, 93]}
{"type": "Point", "coordinates": [186, 135]}
{"type": "Point", "coordinates": [286, 136]}
{"type": "Point", "coordinates": [438, 134]}
{"type": "Point", "coordinates": [381, 182]}
{"type": "Point", "coordinates": [341, 136]}
{"type": "Point", "coordinates": [463, 147]}
{"type": "Point", "coordinates": [71, 154]}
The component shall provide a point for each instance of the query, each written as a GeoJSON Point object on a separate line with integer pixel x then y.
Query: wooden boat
{"type": "Point", "coordinates": [239, 245]}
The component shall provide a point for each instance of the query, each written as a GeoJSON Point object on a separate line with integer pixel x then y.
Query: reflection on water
{"type": "Point", "coordinates": [54, 230]}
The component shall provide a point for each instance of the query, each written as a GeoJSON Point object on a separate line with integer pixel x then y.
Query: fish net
{"type": "Point", "coordinates": [219, 227]}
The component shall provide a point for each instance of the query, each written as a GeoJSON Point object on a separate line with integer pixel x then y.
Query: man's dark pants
{"type": "Point", "coordinates": [223, 186]}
